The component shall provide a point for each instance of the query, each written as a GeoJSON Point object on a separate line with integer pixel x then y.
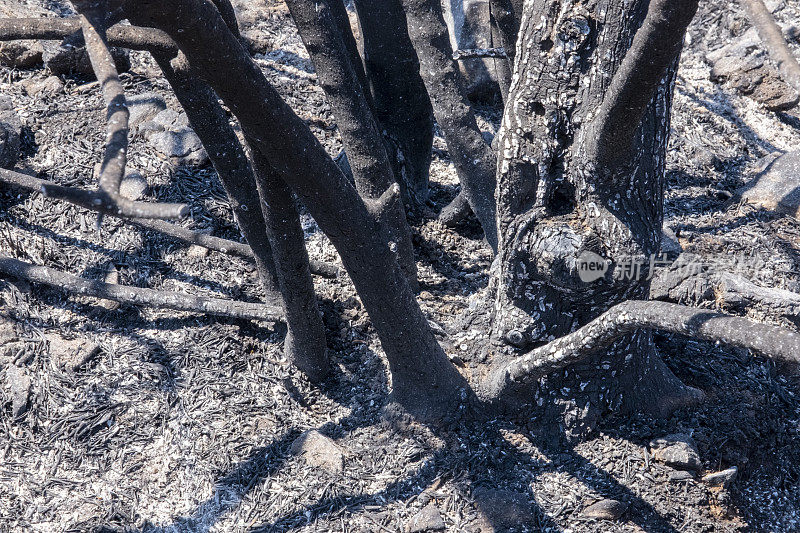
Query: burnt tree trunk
{"type": "Point", "coordinates": [360, 133]}
{"type": "Point", "coordinates": [581, 175]}
{"type": "Point", "coordinates": [401, 101]}
{"type": "Point", "coordinates": [424, 381]}
{"type": "Point", "coordinates": [471, 155]}
{"type": "Point", "coordinates": [264, 210]}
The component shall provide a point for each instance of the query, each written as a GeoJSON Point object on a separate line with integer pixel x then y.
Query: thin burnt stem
{"type": "Point", "coordinates": [137, 295]}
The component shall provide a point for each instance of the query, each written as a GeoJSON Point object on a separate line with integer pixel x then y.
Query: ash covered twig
{"type": "Point", "coordinates": [470, 53]}
{"type": "Point", "coordinates": [624, 318]}
{"type": "Point", "coordinates": [770, 34]}
{"type": "Point", "coordinates": [112, 169]}
{"type": "Point", "coordinates": [136, 295]}
{"type": "Point", "coordinates": [133, 37]}
{"type": "Point", "coordinates": [179, 233]}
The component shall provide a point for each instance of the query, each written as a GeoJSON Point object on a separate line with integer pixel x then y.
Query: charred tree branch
{"type": "Point", "coordinates": [423, 379]}
{"type": "Point", "coordinates": [118, 35]}
{"type": "Point", "coordinates": [136, 295]}
{"type": "Point", "coordinates": [655, 46]}
{"type": "Point", "coordinates": [179, 233]}
{"type": "Point", "coordinates": [473, 158]}
{"type": "Point", "coordinates": [470, 53]}
{"type": "Point", "coordinates": [361, 135]}
{"type": "Point", "coordinates": [112, 169]}
{"type": "Point", "coordinates": [624, 318]}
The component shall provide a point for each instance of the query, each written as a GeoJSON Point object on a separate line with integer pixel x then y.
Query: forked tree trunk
{"type": "Point", "coordinates": [423, 379]}
{"type": "Point", "coordinates": [576, 176]}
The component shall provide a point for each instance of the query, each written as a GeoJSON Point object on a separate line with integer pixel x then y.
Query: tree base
{"type": "Point", "coordinates": [628, 378]}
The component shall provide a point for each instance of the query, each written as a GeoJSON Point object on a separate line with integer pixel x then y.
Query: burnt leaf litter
{"type": "Point", "coordinates": [115, 418]}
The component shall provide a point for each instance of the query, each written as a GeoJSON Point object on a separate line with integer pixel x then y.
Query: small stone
{"type": "Point", "coordinates": [181, 146]}
{"type": "Point", "coordinates": [723, 478]}
{"type": "Point", "coordinates": [196, 251]}
{"type": "Point", "coordinates": [777, 188]}
{"type": "Point", "coordinates": [10, 132]}
{"type": "Point", "coordinates": [133, 186]}
{"type": "Point", "coordinates": [428, 519]}
{"type": "Point", "coordinates": [774, 94]}
{"type": "Point", "coordinates": [21, 54]}
{"type": "Point", "coordinates": [49, 86]}
{"type": "Point", "coordinates": [502, 509]}
{"type": "Point", "coordinates": [70, 57]}
{"type": "Point", "coordinates": [7, 331]}
{"type": "Point", "coordinates": [143, 107]}
{"type": "Point", "coordinates": [677, 450]}
{"type": "Point", "coordinates": [72, 354]}
{"type": "Point", "coordinates": [319, 451]}
{"type": "Point", "coordinates": [171, 119]}
{"type": "Point", "coordinates": [680, 475]}
{"type": "Point", "coordinates": [606, 510]}
{"type": "Point", "coordinates": [20, 385]}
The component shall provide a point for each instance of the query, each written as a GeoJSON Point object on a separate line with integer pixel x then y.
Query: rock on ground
{"type": "Point", "coordinates": [606, 509]}
{"type": "Point", "coordinates": [722, 478]}
{"type": "Point", "coordinates": [143, 107]}
{"type": "Point", "coordinates": [428, 519]}
{"type": "Point", "coordinates": [744, 64]}
{"type": "Point", "coordinates": [19, 385]}
{"type": "Point", "coordinates": [677, 450]}
{"type": "Point", "coordinates": [319, 451]}
{"type": "Point", "coordinates": [10, 131]}
{"type": "Point", "coordinates": [49, 86]}
{"type": "Point", "coordinates": [169, 133]}
{"type": "Point", "coordinates": [777, 188]}
{"type": "Point", "coordinates": [21, 54]}
{"type": "Point", "coordinates": [71, 354]}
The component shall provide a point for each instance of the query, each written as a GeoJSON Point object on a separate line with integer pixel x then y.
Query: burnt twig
{"type": "Point", "coordinates": [133, 37]}
{"type": "Point", "coordinates": [136, 295]}
{"type": "Point", "coordinates": [112, 169]}
{"type": "Point", "coordinates": [179, 233]}
{"type": "Point", "coordinates": [470, 53]}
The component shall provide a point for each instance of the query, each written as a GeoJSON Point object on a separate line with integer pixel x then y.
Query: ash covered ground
{"type": "Point", "coordinates": [180, 422]}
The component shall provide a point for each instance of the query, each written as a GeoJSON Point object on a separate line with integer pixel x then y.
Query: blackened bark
{"type": "Point", "coordinates": [359, 131]}
{"type": "Point", "coordinates": [278, 245]}
{"type": "Point", "coordinates": [506, 16]}
{"type": "Point", "coordinates": [556, 203]}
{"type": "Point", "coordinates": [228, 15]}
{"type": "Point", "coordinates": [401, 101]}
{"type": "Point", "coordinates": [137, 295]}
{"type": "Point", "coordinates": [472, 156]}
{"type": "Point", "coordinates": [149, 39]}
{"type": "Point", "coordinates": [342, 21]}
{"type": "Point", "coordinates": [305, 343]}
{"type": "Point", "coordinates": [423, 379]}
{"type": "Point", "coordinates": [227, 155]}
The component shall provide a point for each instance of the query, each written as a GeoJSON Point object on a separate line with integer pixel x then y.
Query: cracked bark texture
{"type": "Point", "coordinates": [557, 199]}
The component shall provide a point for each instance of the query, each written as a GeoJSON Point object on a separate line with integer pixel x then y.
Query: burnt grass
{"type": "Point", "coordinates": [183, 422]}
